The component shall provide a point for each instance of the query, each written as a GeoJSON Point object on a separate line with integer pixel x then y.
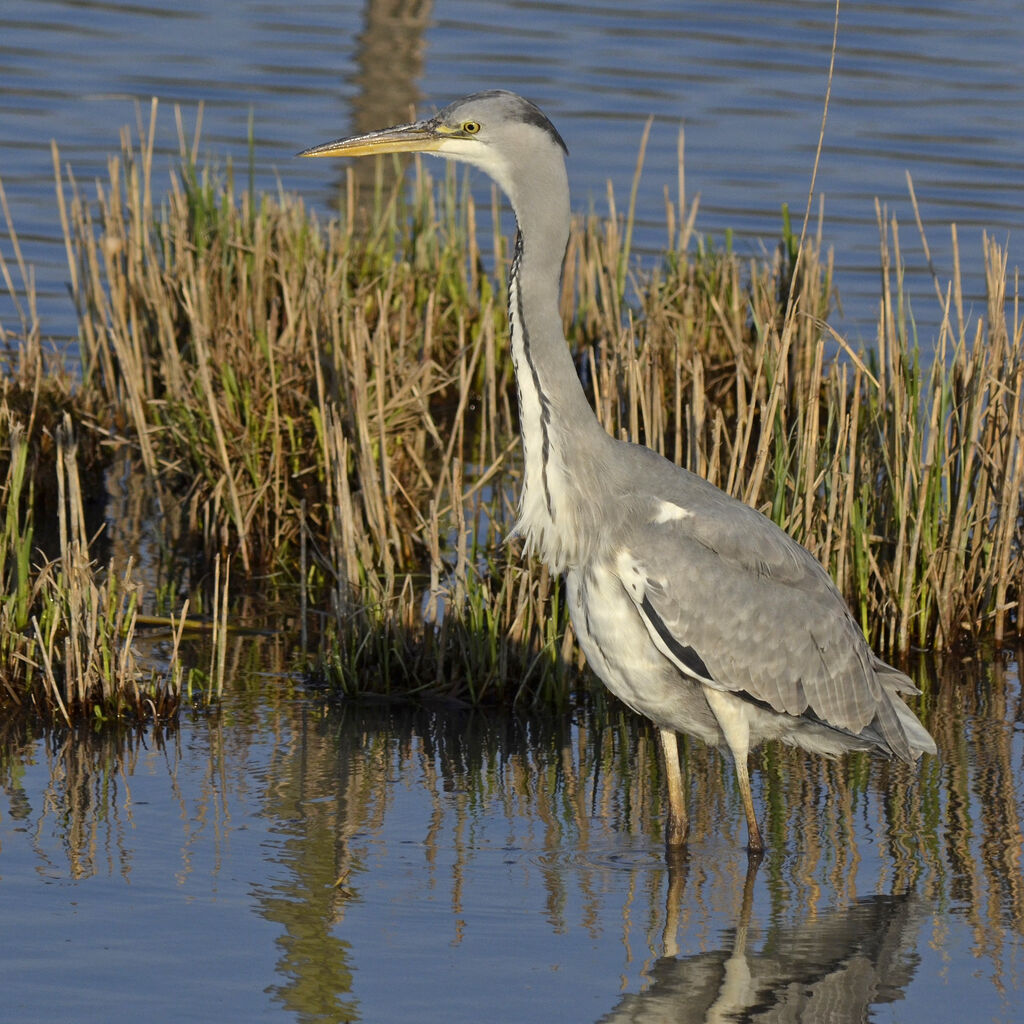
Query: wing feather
{"type": "Point", "coordinates": [735, 602]}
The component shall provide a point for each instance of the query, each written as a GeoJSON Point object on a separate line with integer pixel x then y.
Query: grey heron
{"type": "Point", "coordinates": [694, 609]}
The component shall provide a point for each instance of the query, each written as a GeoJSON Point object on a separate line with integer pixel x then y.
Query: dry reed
{"type": "Point", "coordinates": [334, 408]}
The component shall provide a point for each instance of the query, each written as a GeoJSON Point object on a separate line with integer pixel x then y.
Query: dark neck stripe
{"type": "Point", "coordinates": [545, 408]}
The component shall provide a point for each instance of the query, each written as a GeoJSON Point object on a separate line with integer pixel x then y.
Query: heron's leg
{"type": "Point", "coordinates": [755, 844]}
{"type": "Point", "coordinates": [678, 823]}
{"type": "Point", "coordinates": [732, 717]}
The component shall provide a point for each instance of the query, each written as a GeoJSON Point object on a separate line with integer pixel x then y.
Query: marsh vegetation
{"type": "Point", "coordinates": [324, 411]}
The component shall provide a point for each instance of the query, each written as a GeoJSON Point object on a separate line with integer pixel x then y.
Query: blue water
{"type": "Point", "coordinates": [930, 89]}
{"type": "Point", "coordinates": [279, 861]}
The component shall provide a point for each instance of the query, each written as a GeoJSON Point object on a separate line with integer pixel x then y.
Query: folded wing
{"type": "Point", "coordinates": [737, 604]}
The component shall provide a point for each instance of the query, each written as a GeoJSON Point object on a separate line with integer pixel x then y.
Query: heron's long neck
{"type": "Point", "coordinates": [559, 429]}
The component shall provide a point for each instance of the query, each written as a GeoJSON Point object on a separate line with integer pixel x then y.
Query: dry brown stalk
{"type": "Point", "coordinates": [291, 381]}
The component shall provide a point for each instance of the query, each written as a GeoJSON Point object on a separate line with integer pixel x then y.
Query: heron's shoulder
{"type": "Point", "coordinates": [647, 473]}
{"type": "Point", "coordinates": [671, 514]}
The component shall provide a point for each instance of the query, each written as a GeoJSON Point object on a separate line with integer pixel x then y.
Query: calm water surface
{"type": "Point", "coordinates": [279, 861]}
{"type": "Point", "coordinates": [934, 89]}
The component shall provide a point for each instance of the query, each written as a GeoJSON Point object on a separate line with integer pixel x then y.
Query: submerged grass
{"type": "Point", "coordinates": [331, 405]}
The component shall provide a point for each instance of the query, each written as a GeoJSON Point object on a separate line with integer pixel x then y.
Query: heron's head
{"type": "Point", "coordinates": [497, 131]}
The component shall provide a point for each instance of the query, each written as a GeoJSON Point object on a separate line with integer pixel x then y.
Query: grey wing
{"type": "Point", "coordinates": [738, 604]}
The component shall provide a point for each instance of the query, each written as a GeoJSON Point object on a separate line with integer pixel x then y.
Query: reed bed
{"type": "Point", "coordinates": [67, 624]}
{"type": "Point", "coordinates": [71, 643]}
{"type": "Point", "coordinates": [331, 405]}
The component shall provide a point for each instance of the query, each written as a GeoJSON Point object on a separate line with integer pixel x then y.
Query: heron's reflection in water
{"type": "Point", "coordinates": [831, 968]}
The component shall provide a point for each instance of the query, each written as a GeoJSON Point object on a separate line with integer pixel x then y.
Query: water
{"type": "Point", "coordinates": [278, 861]}
{"type": "Point", "coordinates": [930, 89]}
{"type": "Point", "coordinates": [273, 860]}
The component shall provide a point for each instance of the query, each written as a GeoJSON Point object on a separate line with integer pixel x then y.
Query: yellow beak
{"type": "Point", "coordinates": [421, 137]}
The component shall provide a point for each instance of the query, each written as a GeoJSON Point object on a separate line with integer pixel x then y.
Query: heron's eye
{"type": "Point", "coordinates": [471, 127]}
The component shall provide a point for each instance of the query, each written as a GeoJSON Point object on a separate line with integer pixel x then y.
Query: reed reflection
{"type": "Point", "coordinates": [863, 851]}
{"type": "Point", "coordinates": [427, 821]}
{"type": "Point", "coordinates": [80, 823]}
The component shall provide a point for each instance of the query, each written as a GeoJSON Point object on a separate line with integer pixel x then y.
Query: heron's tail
{"type": "Point", "coordinates": [918, 739]}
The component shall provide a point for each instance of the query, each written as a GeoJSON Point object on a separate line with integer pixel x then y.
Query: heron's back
{"type": "Point", "coordinates": [692, 589]}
